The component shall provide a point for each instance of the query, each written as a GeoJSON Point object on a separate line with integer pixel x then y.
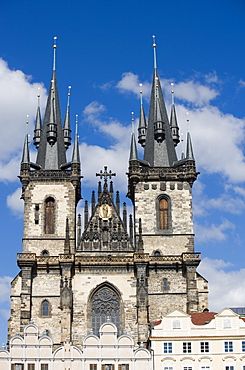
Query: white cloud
{"type": "Point", "coordinates": [226, 288]}
{"type": "Point", "coordinates": [18, 98]}
{"type": "Point", "coordinates": [130, 83]}
{"type": "Point", "coordinates": [5, 288]}
{"type": "Point", "coordinates": [15, 203]}
{"type": "Point", "coordinates": [206, 233]}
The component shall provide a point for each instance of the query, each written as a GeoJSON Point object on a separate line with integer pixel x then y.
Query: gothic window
{"type": "Point", "coordinates": [163, 214]}
{"type": "Point", "coordinates": [165, 285]}
{"type": "Point", "coordinates": [45, 308]}
{"type": "Point", "coordinates": [105, 305]}
{"type": "Point", "coordinates": [49, 215]}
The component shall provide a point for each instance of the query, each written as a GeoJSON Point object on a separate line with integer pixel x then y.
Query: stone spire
{"type": "Point", "coordinates": [189, 149]}
{"type": "Point", "coordinates": [76, 155]}
{"type": "Point", "coordinates": [133, 156]}
{"type": "Point", "coordinates": [25, 155]}
{"type": "Point", "coordinates": [173, 121]}
{"type": "Point", "coordinates": [51, 149]}
{"type": "Point", "coordinates": [142, 124]}
{"type": "Point", "coordinates": [67, 125]}
{"type": "Point", "coordinates": [159, 145]}
{"type": "Point", "coordinates": [38, 126]}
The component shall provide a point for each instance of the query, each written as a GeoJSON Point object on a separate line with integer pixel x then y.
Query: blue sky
{"type": "Point", "coordinates": [104, 52]}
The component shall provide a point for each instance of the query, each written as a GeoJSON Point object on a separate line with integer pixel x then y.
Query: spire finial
{"type": "Point", "coordinates": [187, 121]}
{"type": "Point", "coordinates": [154, 45]}
{"type": "Point", "coordinates": [132, 122]}
{"type": "Point", "coordinates": [76, 131]}
{"type": "Point", "coordinates": [68, 96]}
{"type": "Point", "coordinates": [172, 92]}
{"type": "Point", "coordinates": [182, 146]}
{"type": "Point", "coordinates": [27, 121]}
{"type": "Point", "coordinates": [38, 97]}
{"type": "Point", "coordinates": [54, 47]}
{"type": "Point", "coordinates": [141, 94]}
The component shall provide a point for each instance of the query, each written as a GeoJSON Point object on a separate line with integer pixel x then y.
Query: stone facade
{"type": "Point", "coordinates": [74, 277]}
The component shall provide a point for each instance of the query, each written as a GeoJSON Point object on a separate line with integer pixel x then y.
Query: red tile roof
{"type": "Point", "coordinates": [202, 318]}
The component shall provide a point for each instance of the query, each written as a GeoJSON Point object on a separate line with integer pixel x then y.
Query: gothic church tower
{"type": "Point", "coordinates": [74, 278]}
{"type": "Point", "coordinates": [160, 187]}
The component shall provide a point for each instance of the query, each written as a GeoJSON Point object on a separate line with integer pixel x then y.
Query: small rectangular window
{"type": "Point", "coordinates": [167, 347]}
{"type": "Point", "coordinates": [176, 324]}
{"type": "Point", "coordinates": [187, 368]}
{"type": "Point", "coordinates": [44, 367]}
{"type": "Point", "coordinates": [123, 367]}
{"type": "Point", "coordinates": [243, 347]}
{"type": "Point", "coordinates": [230, 367]}
{"type": "Point", "coordinates": [93, 367]}
{"type": "Point", "coordinates": [30, 366]}
{"type": "Point", "coordinates": [168, 368]}
{"type": "Point", "coordinates": [228, 346]}
{"type": "Point", "coordinates": [17, 367]}
{"type": "Point", "coordinates": [186, 347]}
{"type": "Point", "coordinates": [204, 347]}
{"type": "Point", "coordinates": [226, 324]}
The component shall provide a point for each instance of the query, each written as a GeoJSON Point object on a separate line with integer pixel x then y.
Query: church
{"type": "Point", "coordinates": [126, 270]}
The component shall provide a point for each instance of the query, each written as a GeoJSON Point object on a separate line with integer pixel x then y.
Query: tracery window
{"type": "Point", "coordinates": [45, 309]}
{"type": "Point", "coordinates": [49, 215]}
{"type": "Point", "coordinates": [105, 305]}
{"type": "Point", "coordinates": [163, 214]}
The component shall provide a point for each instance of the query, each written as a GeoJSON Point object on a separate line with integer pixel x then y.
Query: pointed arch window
{"type": "Point", "coordinates": [105, 305]}
{"type": "Point", "coordinates": [163, 214]}
{"type": "Point", "coordinates": [49, 215]}
{"type": "Point", "coordinates": [45, 308]}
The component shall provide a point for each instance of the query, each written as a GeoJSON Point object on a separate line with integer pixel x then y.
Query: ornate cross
{"type": "Point", "coordinates": [106, 175]}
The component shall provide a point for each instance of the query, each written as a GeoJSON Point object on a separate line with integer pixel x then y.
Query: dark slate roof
{"type": "Point", "coordinates": [52, 157]}
{"type": "Point", "coordinates": [158, 154]}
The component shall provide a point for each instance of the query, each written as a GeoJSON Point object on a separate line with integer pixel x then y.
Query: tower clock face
{"type": "Point", "coordinates": [105, 211]}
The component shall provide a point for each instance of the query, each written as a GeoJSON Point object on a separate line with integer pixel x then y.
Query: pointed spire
{"type": "Point", "coordinates": [99, 189]}
{"type": "Point", "coordinates": [76, 155]}
{"type": "Point", "coordinates": [125, 215]}
{"type": "Point", "coordinates": [86, 213]}
{"type": "Point", "coordinates": [67, 239]}
{"type": "Point", "coordinates": [26, 154]}
{"type": "Point", "coordinates": [159, 146]}
{"type": "Point", "coordinates": [79, 228]}
{"type": "Point", "coordinates": [51, 151]}
{"type": "Point", "coordinates": [111, 190]}
{"type": "Point", "coordinates": [182, 147]}
{"type": "Point", "coordinates": [93, 202]}
{"type": "Point", "coordinates": [118, 202]}
{"type": "Point", "coordinates": [67, 125]}
{"type": "Point", "coordinates": [38, 125]}
{"type": "Point", "coordinates": [173, 121]}
{"type": "Point", "coordinates": [133, 148]}
{"type": "Point", "coordinates": [131, 228]}
{"type": "Point", "coordinates": [140, 240]}
{"type": "Point", "coordinates": [142, 123]}
{"type": "Point", "coordinates": [189, 149]}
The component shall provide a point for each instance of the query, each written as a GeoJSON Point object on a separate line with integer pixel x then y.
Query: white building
{"type": "Point", "coordinates": [106, 352]}
{"type": "Point", "coordinates": [200, 341]}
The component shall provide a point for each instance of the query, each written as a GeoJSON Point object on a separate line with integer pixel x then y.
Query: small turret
{"type": "Point", "coordinates": [173, 122]}
{"type": "Point", "coordinates": [67, 125]}
{"type": "Point", "coordinates": [38, 126]}
{"type": "Point", "coordinates": [142, 124]}
{"type": "Point", "coordinates": [52, 126]}
{"type": "Point", "coordinates": [189, 149]}
{"type": "Point", "coordinates": [159, 130]}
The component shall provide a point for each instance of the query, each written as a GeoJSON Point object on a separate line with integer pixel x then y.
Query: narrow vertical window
{"type": "Point", "coordinates": [163, 214]}
{"type": "Point", "coordinates": [45, 308]}
{"type": "Point", "coordinates": [49, 215]}
{"type": "Point", "coordinates": [165, 285]}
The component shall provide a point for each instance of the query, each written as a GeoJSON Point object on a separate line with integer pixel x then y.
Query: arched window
{"type": "Point", "coordinates": [163, 214]}
{"type": "Point", "coordinates": [45, 309]}
{"type": "Point", "coordinates": [157, 254]}
{"type": "Point", "coordinates": [49, 215]}
{"type": "Point", "coordinates": [45, 253]}
{"type": "Point", "coordinates": [105, 305]}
